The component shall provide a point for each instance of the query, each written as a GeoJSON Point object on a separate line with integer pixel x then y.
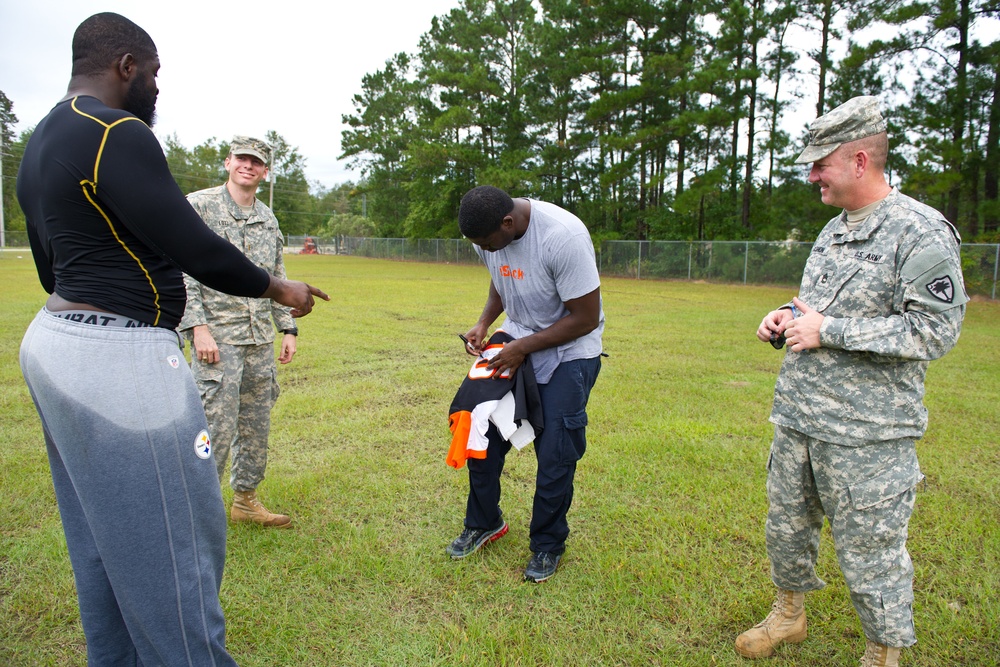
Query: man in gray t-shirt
{"type": "Point", "coordinates": [544, 277]}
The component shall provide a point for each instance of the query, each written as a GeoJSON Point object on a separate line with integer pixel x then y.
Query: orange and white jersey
{"type": "Point", "coordinates": [510, 401]}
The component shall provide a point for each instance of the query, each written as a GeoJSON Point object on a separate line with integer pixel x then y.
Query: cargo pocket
{"type": "Point", "coordinates": [209, 381]}
{"type": "Point", "coordinates": [869, 493]}
{"type": "Point", "coordinates": [275, 388]}
{"type": "Point", "coordinates": [575, 442]}
{"type": "Point", "coordinates": [882, 507]}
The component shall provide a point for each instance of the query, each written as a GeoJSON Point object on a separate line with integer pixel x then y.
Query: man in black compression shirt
{"type": "Point", "coordinates": [124, 428]}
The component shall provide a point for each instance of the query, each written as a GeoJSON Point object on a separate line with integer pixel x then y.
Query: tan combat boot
{"type": "Point", "coordinates": [246, 507]}
{"type": "Point", "coordinates": [785, 623]}
{"type": "Point", "coordinates": [877, 655]}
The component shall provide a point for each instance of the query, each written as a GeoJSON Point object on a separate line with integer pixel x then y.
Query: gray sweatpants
{"type": "Point", "coordinates": [137, 490]}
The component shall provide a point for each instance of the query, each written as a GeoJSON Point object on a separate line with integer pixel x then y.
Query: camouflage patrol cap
{"type": "Point", "coordinates": [855, 119]}
{"type": "Point", "coordinates": [242, 145]}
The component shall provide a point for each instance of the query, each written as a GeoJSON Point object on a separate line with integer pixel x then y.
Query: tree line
{"type": "Point", "coordinates": [650, 119]}
{"type": "Point", "coordinates": [665, 119]}
{"type": "Point", "coordinates": [302, 207]}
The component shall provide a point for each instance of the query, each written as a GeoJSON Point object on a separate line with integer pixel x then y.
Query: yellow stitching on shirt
{"type": "Point", "coordinates": [93, 186]}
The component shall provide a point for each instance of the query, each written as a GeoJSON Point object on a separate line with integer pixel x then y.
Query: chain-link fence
{"type": "Point", "coordinates": [454, 251]}
{"type": "Point", "coordinates": [15, 240]}
{"type": "Point", "coordinates": [757, 262]}
{"type": "Point", "coordinates": [722, 261]}
{"type": "Point", "coordinates": [980, 262]}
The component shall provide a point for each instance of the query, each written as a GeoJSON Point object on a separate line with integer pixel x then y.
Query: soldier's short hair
{"type": "Point", "coordinates": [877, 147]}
{"type": "Point", "coordinates": [101, 40]}
{"type": "Point", "coordinates": [482, 210]}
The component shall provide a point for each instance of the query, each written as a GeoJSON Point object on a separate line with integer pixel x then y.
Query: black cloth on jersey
{"type": "Point", "coordinates": [107, 223]}
{"type": "Point", "coordinates": [486, 386]}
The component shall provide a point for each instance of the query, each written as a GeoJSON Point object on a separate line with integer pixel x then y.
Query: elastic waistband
{"type": "Point", "coordinates": [94, 324]}
{"type": "Point", "coordinates": [98, 318]}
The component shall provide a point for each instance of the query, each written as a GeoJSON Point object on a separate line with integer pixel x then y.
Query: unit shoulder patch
{"type": "Point", "coordinates": [942, 288]}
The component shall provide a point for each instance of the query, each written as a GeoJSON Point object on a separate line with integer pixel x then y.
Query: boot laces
{"type": "Point", "coordinates": [777, 614]}
{"type": "Point", "coordinates": [875, 654]}
{"type": "Point", "coordinates": [253, 504]}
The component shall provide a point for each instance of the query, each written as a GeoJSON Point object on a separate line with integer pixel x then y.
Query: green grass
{"type": "Point", "coordinates": [666, 561]}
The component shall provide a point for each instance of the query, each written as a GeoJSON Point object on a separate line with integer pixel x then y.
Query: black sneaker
{"type": "Point", "coordinates": [541, 566]}
{"type": "Point", "coordinates": [472, 539]}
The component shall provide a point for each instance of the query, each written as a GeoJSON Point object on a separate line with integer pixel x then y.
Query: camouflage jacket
{"type": "Point", "coordinates": [893, 298]}
{"type": "Point", "coordinates": [231, 319]}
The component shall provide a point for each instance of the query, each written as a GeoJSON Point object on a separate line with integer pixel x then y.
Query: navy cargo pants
{"type": "Point", "coordinates": [561, 444]}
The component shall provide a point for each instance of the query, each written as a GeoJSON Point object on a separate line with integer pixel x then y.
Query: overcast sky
{"type": "Point", "coordinates": [247, 67]}
{"type": "Point", "coordinates": [227, 68]}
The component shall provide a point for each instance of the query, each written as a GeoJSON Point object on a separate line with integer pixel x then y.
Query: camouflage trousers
{"type": "Point", "coordinates": [867, 494]}
{"type": "Point", "coordinates": [238, 393]}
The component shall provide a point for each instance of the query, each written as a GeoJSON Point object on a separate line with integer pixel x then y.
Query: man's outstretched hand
{"type": "Point", "coordinates": [297, 295]}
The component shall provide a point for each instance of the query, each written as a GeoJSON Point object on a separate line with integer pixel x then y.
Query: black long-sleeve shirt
{"type": "Point", "coordinates": [108, 225]}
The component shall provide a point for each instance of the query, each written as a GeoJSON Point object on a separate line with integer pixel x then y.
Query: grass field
{"type": "Point", "coordinates": [666, 562]}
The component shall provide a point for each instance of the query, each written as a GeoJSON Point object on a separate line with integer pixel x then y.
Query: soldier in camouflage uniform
{"type": "Point", "coordinates": [233, 338]}
{"type": "Point", "coordinates": [882, 294]}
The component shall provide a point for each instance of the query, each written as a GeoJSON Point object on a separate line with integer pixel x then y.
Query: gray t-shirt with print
{"type": "Point", "coordinates": [552, 263]}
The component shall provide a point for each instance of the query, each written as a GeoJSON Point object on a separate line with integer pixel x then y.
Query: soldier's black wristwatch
{"type": "Point", "coordinates": [294, 331]}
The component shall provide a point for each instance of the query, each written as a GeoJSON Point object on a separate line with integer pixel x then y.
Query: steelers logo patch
{"type": "Point", "coordinates": [203, 445]}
